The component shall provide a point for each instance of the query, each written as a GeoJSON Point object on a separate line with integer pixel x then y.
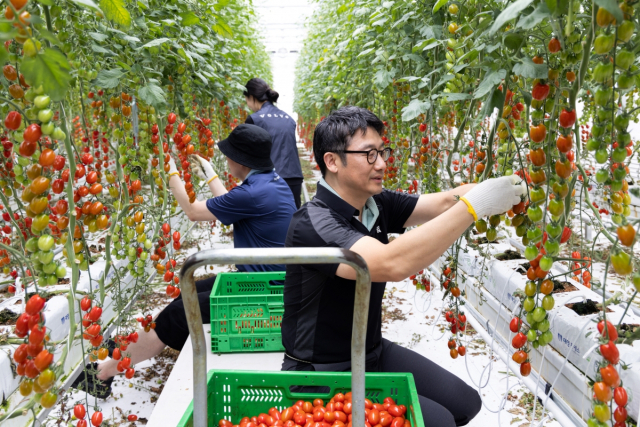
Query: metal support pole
{"type": "Point", "coordinates": [276, 256]}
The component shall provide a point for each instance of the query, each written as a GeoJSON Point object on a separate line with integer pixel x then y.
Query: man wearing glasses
{"type": "Point", "coordinates": [351, 210]}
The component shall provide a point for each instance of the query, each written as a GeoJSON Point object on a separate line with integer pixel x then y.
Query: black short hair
{"type": "Point", "coordinates": [334, 133]}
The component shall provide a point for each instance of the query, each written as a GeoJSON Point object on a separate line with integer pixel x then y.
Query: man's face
{"type": "Point", "coordinates": [358, 174]}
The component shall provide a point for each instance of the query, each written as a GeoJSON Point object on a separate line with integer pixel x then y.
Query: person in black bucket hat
{"type": "Point", "coordinates": [260, 210]}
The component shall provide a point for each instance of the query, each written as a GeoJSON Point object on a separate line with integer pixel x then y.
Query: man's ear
{"type": "Point", "coordinates": [330, 160]}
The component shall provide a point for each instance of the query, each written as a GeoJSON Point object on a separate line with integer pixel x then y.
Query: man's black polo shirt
{"type": "Point", "coordinates": [318, 305]}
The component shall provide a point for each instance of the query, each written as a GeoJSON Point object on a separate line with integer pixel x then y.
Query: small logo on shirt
{"type": "Point", "coordinates": [378, 229]}
{"type": "Point", "coordinates": [261, 115]}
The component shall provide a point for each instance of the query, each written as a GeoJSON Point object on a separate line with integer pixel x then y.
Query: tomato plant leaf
{"type": "Point", "coordinates": [46, 2]}
{"type": "Point", "coordinates": [382, 79]}
{"type": "Point", "coordinates": [511, 12]}
{"type": "Point", "coordinates": [114, 10]}
{"type": "Point", "coordinates": [4, 56]}
{"type": "Point", "coordinates": [414, 109]}
{"type": "Point", "coordinates": [223, 29]}
{"type": "Point", "coordinates": [438, 5]}
{"type": "Point", "coordinates": [152, 94]}
{"type": "Point", "coordinates": [612, 7]}
{"type": "Point", "coordinates": [50, 69]}
{"type": "Point", "coordinates": [540, 13]}
{"type": "Point", "coordinates": [527, 68]}
{"type": "Point", "coordinates": [98, 36]}
{"type": "Point", "coordinates": [89, 4]}
{"type": "Point", "coordinates": [100, 49]}
{"type": "Point", "coordinates": [156, 42]}
{"type": "Point", "coordinates": [108, 79]}
{"type": "Point", "coordinates": [490, 104]}
{"type": "Point", "coordinates": [189, 18]}
{"type": "Point", "coordinates": [456, 96]}
{"type": "Point", "coordinates": [7, 31]}
{"type": "Point", "coordinates": [490, 81]}
{"type": "Point", "coordinates": [48, 35]}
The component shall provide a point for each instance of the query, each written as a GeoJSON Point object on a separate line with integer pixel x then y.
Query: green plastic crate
{"type": "Point", "coordinates": [246, 312]}
{"type": "Point", "coordinates": [236, 394]}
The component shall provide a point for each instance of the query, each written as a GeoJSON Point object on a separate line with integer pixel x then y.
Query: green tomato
{"type": "Point", "coordinates": [546, 338]}
{"type": "Point", "coordinates": [52, 280]}
{"type": "Point", "coordinates": [530, 289]}
{"type": "Point", "coordinates": [625, 59]}
{"type": "Point", "coordinates": [61, 271]}
{"type": "Point", "coordinates": [604, 43]}
{"type": "Point", "coordinates": [552, 247]}
{"type": "Point", "coordinates": [535, 344]}
{"type": "Point", "coordinates": [58, 134]}
{"type": "Point", "coordinates": [534, 234]}
{"type": "Point", "coordinates": [603, 96]}
{"type": "Point", "coordinates": [32, 244]}
{"type": "Point", "coordinates": [625, 31]}
{"type": "Point", "coordinates": [50, 268]}
{"type": "Point", "coordinates": [556, 207]}
{"type": "Point", "coordinates": [602, 155]}
{"type": "Point", "coordinates": [534, 213]}
{"type": "Point", "coordinates": [546, 262]}
{"type": "Point", "coordinates": [529, 318]}
{"type": "Point", "coordinates": [47, 128]}
{"type": "Point", "coordinates": [625, 81]}
{"type": "Point", "coordinates": [41, 102]}
{"type": "Point", "coordinates": [45, 257]}
{"type": "Point", "coordinates": [148, 244]}
{"type": "Point", "coordinates": [539, 314]}
{"type": "Point", "coordinates": [532, 335]}
{"type": "Point", "coordinates": [45, 242]}
{"type": "Point", "coordinates": [84, 265]}
{"type": "Point", "coordinates": [45, 115]}
{"type": "Point", "coordinates": [619, 154]}
{"type": "Point", "coordinates": [492, 234]}
{"type": "Point", "coordinates": [528, 305]}
{"type": "Point", "coordinates": [554, 229]}
{"type": "Point", "coordinates": [544, 325]}
{"type": "Point", "coordinates": [602, 176]}
{"type": "Point", "coordinates": [548, 302]}
{"type": "Point", "coordinates": [531, 252]}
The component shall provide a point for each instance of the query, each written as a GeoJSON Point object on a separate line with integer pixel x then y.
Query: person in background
{"type": "Point", "coordinates": [282, 128]}
{"type": "Point", "coordinates": [260, 210]}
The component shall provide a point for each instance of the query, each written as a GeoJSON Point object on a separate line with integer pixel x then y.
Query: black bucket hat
{"type": "Point", "coordinates": [249, 145]}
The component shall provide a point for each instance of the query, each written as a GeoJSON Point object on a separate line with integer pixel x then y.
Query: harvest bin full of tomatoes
{"type": "Point", "coordinates": [306, 399]}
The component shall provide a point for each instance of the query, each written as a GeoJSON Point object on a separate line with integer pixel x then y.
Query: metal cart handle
{"type": "Point", "coordinates": [276, 256]}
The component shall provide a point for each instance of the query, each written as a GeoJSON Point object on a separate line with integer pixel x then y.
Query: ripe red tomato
{"type": "Point", "coordinates": [27, 148]}
{"type": "Point", "coordinates": [132, 417]}
{"type": "Point", "coordinates": [32, 133]}
{"type": "Point", "coordinates": [603, 392]}
{"type": "Point", "coordinates": [610, 376]}
{"type": "Point", "coordinates": [43, 360]}
{"type": "Point", "coordinates": [540, 91]}
{"type": "Point", "coordinates": [538, 133]}
{"type": "Point", "coordinates": [610, 352]}
{"type": "Point", "coordinates": [172, 118]}
{"type": "Point", "coordinates": [563, 169]}
{"type": "Point", "coordinates": [20, 354]}
{"type": "Point", "coordinates": [59, 162]}
{"type": "Point", "coordinates": [566, 234]}
{"type": "Point", "coordinates": [79, 411]}
{"type": "Point", "coordinates": [554, 45]}
{"type": "Point", "coordinates": [85, 304]}
{"type": "Point", "coordinates": [525, 369]}
{"type": "Point", "coordinates": [519, 357]}
{"type": "Point", "coordinates": [564, 143]}
{"type": "Point", "coordinates": [620, 396]}
{"type": "Point", "coordinates": [515, 324]}
{"type": "Point", "coordinates": [519, 340]}
{"type": "Point", "coordinates": [13, 120]}
{"type": "Point", "coordinates": [567, 118]}
{"type": "Point", "coordinates": [611, 330]}
{"type": "Point", "coordinates": [34, 305]}
{"type": "Point", "coordinates": [95, 314]}
{"type": "Point", "coordinates": [96, 419]}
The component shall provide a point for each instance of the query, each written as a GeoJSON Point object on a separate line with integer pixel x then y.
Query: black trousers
{"type": "Point", "coordinates": [295, 184]}
{"type": "Point", "coordinates": [171, 324]}
{"type": "Point", "coordinates": [445, 400]}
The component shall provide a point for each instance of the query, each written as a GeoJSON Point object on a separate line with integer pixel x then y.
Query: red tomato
{"type": "Point", "coordinates": [603, 392]}
{"type": "Point", "coordinates": [34, 305]}
{"type": "Point", "coordinates": [59, 162]}
{"type": "Point", "coordinates": [43, 360]}
{"type": "Point", "coordinates": [514, 325]}
{"type": "Point", "coordinates": [13, 120]}
{"type": "Point", "coordinates": [20, 354]}
{"type": "Point", "coordinates": [620, 396]}
{"type": "Point", "coordinates": [32, 133]}
{"type": "Point", "coordinates": [79, 411]}
{"type": "Point", "coordinates": [85, 304]}
{"type": "Point", "coordinates": [525, 369]}
{"type": "Point", "coordinates": [96, 419]}
{"type": "Point", "coordinates": [611, 330]}
{"type": "Point", "coordinates": [540, 91]}
{"type": "Point", "coordinates": [519, 340]}
{"type": "Point", "coordinates": [567, 118]}
{"type": "Point", "coordinates": [133, 417]}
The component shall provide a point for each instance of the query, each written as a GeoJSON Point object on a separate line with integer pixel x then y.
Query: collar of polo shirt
{"type": "Point", "coordinates": [370, 213]}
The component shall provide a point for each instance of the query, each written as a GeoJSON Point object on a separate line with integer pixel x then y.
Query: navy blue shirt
{"type": "Point", "coordinates": [282, 128]}
{"type": "Point", "coordinates": [260, 210]}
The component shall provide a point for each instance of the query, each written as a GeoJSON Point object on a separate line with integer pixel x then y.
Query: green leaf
{"type": "Point", "coordinates": [50, 69]}
{"type": "Point", "coordinates": [7, 31]}
{"type": "Point", "coordinates": [4, 56]}
{"type": "Point", "coordinates": [512, 11]}
{"type": "Point", "coordinates": [414, 109]}
{"type": "Point", "coordinates": [156, 42]}
{"type": "Point", "coordinates": [189, 18]}
{"type": "Point", "coordinates": [46, 2]}
{"type": "Point", "coordinates": [382, 79]}
{"type": "Point", "coordinates": [100, 49]}
{"type": "Point", "coordinates": [530, 70]}
{"type": "Point", "coordinates": [438, 5]}
{"type": "Point", "coordinates": [48, 35]}
{"type": "Point", "coordinates": [220, 4]}
{"type": "Point", "coordinates": [223, 29]}
{"type": "Point", "coordinates": [490, 104]}
{"type": "Point", "coordinates": [612, 7]}
{"type": "Point", "coordinates": [114, 10]}
{"type": "Point", "coordinates": [540, 13]}
{"type": "Point", "coordinates": [108, 79]}
{"type": "Point", "coordinates": [456, 96]}
{"type": "Point", "coordinates": [152, 94]}
{"type": "Point", "coordinates": [89, 4]}
{"type": "Point", "coordinates": [98, 36]}
{"type": "Point", "coordinates": [490, 81]}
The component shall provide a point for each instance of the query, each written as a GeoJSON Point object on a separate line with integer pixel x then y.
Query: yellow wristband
{"type": "Point", "coordinates": [469, 208]}
{"type": "Point", "coordinates": [174, 173]}
{"type": "Point", "coordinates": [214, 177]}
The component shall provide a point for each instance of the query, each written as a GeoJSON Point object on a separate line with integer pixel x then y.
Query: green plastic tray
{"type": "Point", "coordinates": [246, 312]}
{"type": "Point", "coordinates": [236, 394]}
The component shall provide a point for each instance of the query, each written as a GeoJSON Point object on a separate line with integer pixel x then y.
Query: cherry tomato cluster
{"type": "Point", "coordinates": [608, 386]}
{"type": "Point", "coordinates": [91, 322]}
{"type": "Point", "coordinates": [521, 355]}
{"type": "Point", "coordinates": [80, 413]}
{"type": "Point", "coordinates": [32, 358]}
{"type": "Point", "coordinates": [146, 322]}
{"type": "Point", "coordinates": [453, 314]}
{"type": "Point", "coordinates": [584, 266]}
{"type": "Point", "coordinates": [336, 413]}
{"type": "Point", "coordinates": [421, 281]}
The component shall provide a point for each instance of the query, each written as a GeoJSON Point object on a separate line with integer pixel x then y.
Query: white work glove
{"type": "Point", "coordinates": [202, 168]}
{"type": "Point", "coordinates": [173, 170]}
{"type": "Point", "coordinates": [495, 196]}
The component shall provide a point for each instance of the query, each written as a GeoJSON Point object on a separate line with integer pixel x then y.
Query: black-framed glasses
{"type": "Point", "coordinates": [372, 155]}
